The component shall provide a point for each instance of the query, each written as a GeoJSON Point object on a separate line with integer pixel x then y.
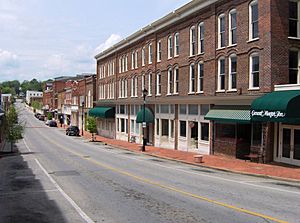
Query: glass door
{"type": "Point", "coordinates": [286, 143]}
{"type": "Point", "coordinates": [296, 155]}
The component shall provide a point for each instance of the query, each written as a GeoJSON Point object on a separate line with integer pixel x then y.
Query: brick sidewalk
{"type": "Point", "coordinates": [274, 170]}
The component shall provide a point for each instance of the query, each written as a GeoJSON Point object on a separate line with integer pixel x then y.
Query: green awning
{"type": "Point", "coordinates": [278, 106]}
{"type": "Point", "coordinates": [229, 115]}
{"type": "Point", "coordinates": [102, 112]}
{"type": "Point", "coordinates": [149, 117]}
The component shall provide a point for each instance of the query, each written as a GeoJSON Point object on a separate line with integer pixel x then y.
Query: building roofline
{"type": "Point", "coordinates": [173, 17]}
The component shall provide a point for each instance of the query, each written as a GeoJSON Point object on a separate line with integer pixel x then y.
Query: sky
{"type": "Point", "coordinates": [44, 39]}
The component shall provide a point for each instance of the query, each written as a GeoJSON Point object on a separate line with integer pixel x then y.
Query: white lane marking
{"type": "Point", "coordinates": [27, 147]}
{"type": "Point", "coordinates": [67, 197]}
{"type": "Point", "coordinates": [206, 175]}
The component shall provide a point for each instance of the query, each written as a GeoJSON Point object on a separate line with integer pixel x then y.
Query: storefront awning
{"type": "Point", "coordinates": [229, 115]}
{"type": "Point", "coordinates": [278, 106]}
{"type": "Point", "coordinates": [149, 117]}
{"type": "Point", "coordinates": [102, 112]}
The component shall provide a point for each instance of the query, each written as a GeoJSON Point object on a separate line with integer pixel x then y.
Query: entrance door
{"type": "Point", "coordinates": [194, 135]}
{"type": "Point", "coordinates": [289, 149]}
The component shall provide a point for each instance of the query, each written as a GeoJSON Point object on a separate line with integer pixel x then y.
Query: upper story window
{"type": "Point", "coordinates": [192, 79]}
{"type": "Point", "coordinates": [221, 74]}
{"type": "Point", "coordinates": [176, 80]}
{"type": "Point", "coordinates": [150, 84]}
{"type": "Point", "coordinates": [294, 17]}
{"type": "Point", "coordinates": [254, 71]}
{"type": "Point", "coordinates": [253, 20]}
{"type": "Point", "coordinates": [192, 41]}
{"type": "Point", "coordinates": [150, 51]}
{"type": "Point", "coordinates": [120, 65]}
{"type": "Point", "coordinates": [294, 67]}
{"type": "Point", "coordinates": [170, 47]}
{"type": "Point", "coordinates": [176, 43]}
{"type": "Point", "coordinates": [170, 81]}
{"type": "Point", "coordinates": [134, 86]}
{"type": "Point", "coordinates": [200, 77]}
{"type": "Point", "coordinates": [158, 83]}
{"type": "Point", "coordinates": [136, 58]}
{"type": "Point", "coordinates": [143, 82]}
{"type": "Point", "coordinates": [232, 72]}
{"type": "Point", "coordinates": [221, 31]}
{"type": "Point", "coordinates": [143, 57]}
{"type": "Point", "coordinates": [132, 59]}
{"type": "Point", "coordinates": [159, 51]}
{"type": "Point", "coordinates": [232, 27]}
{"type": "Point", "coordinates": [201, 37]}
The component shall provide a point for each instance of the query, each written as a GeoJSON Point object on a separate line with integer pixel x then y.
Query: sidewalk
{"type": "Point", "coordinates": [274, 170]}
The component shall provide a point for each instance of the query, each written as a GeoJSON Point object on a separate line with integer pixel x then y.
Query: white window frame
{"type": "Point", "coordinates": [158, 84]}
{"type": "Point", "coordinates": [143, 82]}
{"type": "Point", "coordinates": [231, 73]}
{"type": "Point", "coordinates": [220, 75]}
{"type": "Point", "coordinates": [298, 19]}
{"type": "Point", "coordinates": [221, 33]}
{"type": "Point", "coordinates": [251, 31]}
{"type": "Point", "coordinates": [150, 53]}
{"type": "Point", "coordinates": [192, 41]}
{"type": "Point", "coordinates": [192, 79]}
{"type": "Point", "coordinates": [170, 47]}
{"type": "Point", "coordinates": [201, 37]}
{"type": "Point", "coordinates": [136, 59]}
{"type": "Point", "coordinates": [251, 72]}
{"type": "Point", "coordinates": [298, 67]}
{"type": "Point", "coordinates": [170, 81]}
{"type": "Point", "coordinates": [132, 60]}
{"type": "Point", "coordinates": [176, 44]}
{"type": "Point", "coordinates": [232, 28]}
{"type": "Point", "coordinates": [176, 80]}
{"type": "Point", "coordinates": [159, 51]}
{"type": "Point", "coordinates": [143, 56]}
{"type": "Point", "coordinates": [150, 84]}
{"type": "Point", "coordinates": [200, 77]}
{"type": "Point", "coordinates": [126, 62]}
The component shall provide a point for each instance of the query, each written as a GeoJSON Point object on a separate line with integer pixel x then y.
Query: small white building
{"type": "Point", "coordinates": [33, 94]}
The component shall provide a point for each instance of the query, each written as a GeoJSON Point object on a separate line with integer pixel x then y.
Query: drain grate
{"type": "Point", "coordinates": [129, 153]}
{"type": "Point", "coordinates": [65, 173]}
{"type": "Point", "coordinates": [202, 170]}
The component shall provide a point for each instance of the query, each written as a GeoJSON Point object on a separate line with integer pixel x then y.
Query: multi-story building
{"type": "Point", "coordinates": [222, 77]}
{"type": "Point", "coordinates": [48, 96]}
{"type": "Point", "coordinates": [2, 129]}
{"type": "Point", "coordinates": [32, 96]}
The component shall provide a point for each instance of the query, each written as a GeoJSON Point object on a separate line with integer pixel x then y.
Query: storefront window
{"type": "Point", "coordinates": [157, 127]}
{"type": "Point", "coordinates": [183, 128]}
{"type": "Point", "coordinates": [172, 128]}
{"type": "Point", "coordinates": [256, 134]}
{"type": "Point", "coordinates": [132, 110]}
{"type": "Point", "coordinates": [225, 131]}
{"type": "Point", "coordinates": [165, 127]}
{"type": "Point", "coordinates": [172, 107]}
{"type": "Point", "coordinates": [182, 109]}
{"type": "Point", "coordinates": [204, 109]}
{"type": "Point", "coordinates": [204, 131]}
{"type": "Point", "coordinates": [164, 109]}
{"type": "Point", "coordinates": [132, 126]}
{"type": "Point", "coordinates": [193, 109]}
{"type": "Point", "coordinates": [122, 109]}
{"type": "Point", "coordinates": [122, 125]}
{"type": "Point", "coordinates": [157, 108]}
{"type": "Point", "coordinates": [126, 124]}
{"type": "Point", "coordinates": [137, 128]}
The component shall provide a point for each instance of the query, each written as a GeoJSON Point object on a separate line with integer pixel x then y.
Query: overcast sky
{"type": "Point", "coordinates": [48, 38]}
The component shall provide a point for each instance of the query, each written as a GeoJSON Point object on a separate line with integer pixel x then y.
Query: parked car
{"type": "Point", "coordinates": [52, 123]}
{"type": "Point", "coordinates": [41, 117]}
{"type": "Point", "coordinates": [73, 131]}
{"type": "Point", "coordinates": [37, 115]}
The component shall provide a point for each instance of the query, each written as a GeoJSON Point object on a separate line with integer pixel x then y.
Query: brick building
{"type": "Point", "coordinates": [213, 71]}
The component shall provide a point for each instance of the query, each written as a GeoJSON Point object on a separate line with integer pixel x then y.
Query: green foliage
{"type": "Point", "coordinates": [33, 85]}
{"type": "Point", "coordinates": [36, 105]}
{"type": "Point", "coordinates": [49, 116]}
{"type": "Point", "coordinates": [91, 125]}
{"type": "Point", "coordinates": [14, 130]}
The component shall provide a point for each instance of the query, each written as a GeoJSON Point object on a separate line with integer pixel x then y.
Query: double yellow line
{"type": "Point", "coordinates": [147, 181]}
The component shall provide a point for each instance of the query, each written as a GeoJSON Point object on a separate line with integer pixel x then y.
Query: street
{"type": "Point", "coordinates": [68, 179]}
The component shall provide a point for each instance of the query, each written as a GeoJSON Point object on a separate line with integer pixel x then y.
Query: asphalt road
{"type": "Point", "coordinates": [68, 179]}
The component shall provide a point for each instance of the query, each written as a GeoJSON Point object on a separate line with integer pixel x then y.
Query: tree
{"type": "Point", "coordinates": [92, 126]}
{"type": "Point", "coordinates": [49, 116]}
{"type": "Point", "coordinates": [14, 130]}
{"type": "Point", "coordinates": [36, 105]}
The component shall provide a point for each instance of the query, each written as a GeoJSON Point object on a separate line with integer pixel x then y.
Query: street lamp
{"type": "Point", "coordinates": [145, 92]}
{"type": "Point", "coordinates": [82, 107]}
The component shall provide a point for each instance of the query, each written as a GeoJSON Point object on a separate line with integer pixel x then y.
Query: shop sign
{"type": "Point", "coordinates": [269, 114]}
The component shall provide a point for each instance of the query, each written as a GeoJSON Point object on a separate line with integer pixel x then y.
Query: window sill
{"type": "Point", "coordinates": [191, 56]}
{"type": "Point", "coordinates": [176, 93]}
{"type": "Point", "coordinates": [169, 94]}
{"type": "Point", "coordinates": [191, 93]}
{"type": "Point", "coordinates": [157, 95]}
{"type": "Point", "coordinates": [221, 48]}
{"type": "Point", "coordinates": [200, 54]}
{"type": "Point", "coordinates": [158, 61]}
{"type": "Point", "coordinates": [199, 92]}
{"type": "Point", "coordinates": [294, 38]}
{"type": "Point", "coordinates": [253, 89]}
{"type": "Point", "coordinates": [232, 45]}
{"type": "Point", "coordinates": [220, 91]}
{"type": "Point", "coordinates": [231, 90]}
{"type": "Point", "coordinates": [252, 40]}
{"type": "Point", "coordinates": [169, 58]}
{"type": "Point", "coordinates": [175, 56]}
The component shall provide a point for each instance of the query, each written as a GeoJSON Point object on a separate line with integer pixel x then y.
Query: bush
{"type": "Point", "coordinates": [49, 116]}
{"type": "Point", "coordinates": [92, 126]}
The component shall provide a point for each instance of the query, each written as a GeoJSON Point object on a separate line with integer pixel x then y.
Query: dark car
{"type": "Point", "coordinates": [72, 131]}
{"type": "Point", "coordinates": [52, 123]}
{"type": "Point", "coordinates": [41, 117]}
{"type": "Point", "coordinates": [37, 115]}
